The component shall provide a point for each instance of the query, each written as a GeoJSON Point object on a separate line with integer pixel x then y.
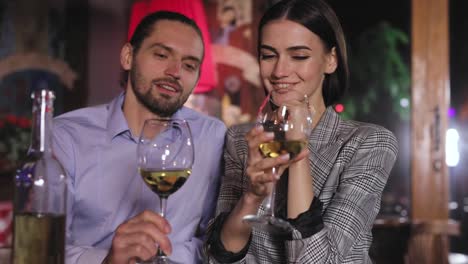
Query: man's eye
{"type": "Point", "coordinates": [160, 55]}
{"type": "Point", "coordinates": [190, 67]}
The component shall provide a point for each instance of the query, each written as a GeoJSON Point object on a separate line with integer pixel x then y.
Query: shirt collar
{"type": "Point", "coordinates": [182, 113]}
{"type": "Point", "coordinates": [116, 122]}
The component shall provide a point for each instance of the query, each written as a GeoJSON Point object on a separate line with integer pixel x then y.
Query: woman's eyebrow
{"type": "Point", "coordinates": [270, 48]}
{"type": "Point", "coordinates": [293, 48]}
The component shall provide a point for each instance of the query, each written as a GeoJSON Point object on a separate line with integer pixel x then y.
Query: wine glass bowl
{"type": "Point", "coordinates": [165, 182]}
{"type": "Point", "coordinates": [290, 135]}
{"type": "Point", "coordinates": [165, 156]}
{"type": "Point", "coordinates": [291, 123]}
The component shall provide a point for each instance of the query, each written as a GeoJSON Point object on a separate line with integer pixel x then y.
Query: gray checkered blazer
{"type": "Point", "coordinates": [350, 164]}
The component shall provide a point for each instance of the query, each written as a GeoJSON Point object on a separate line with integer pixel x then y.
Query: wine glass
{"type": "Point", "coordinates": [165, 157]}
{"type": "Point", "coordinates": [289, 116]}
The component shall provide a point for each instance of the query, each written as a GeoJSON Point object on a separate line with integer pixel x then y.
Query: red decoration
{"type": "Point", "coordinates": [339, 108]}
{"type": "Point", "coordinates": [6, 223]}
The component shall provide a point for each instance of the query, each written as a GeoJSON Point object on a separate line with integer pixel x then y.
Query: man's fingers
{"type": "Point", "coordinates": [139, 238]}
{"type": "Point", "coordinates": [147, 230]}
{"type": "Point", "coordinates": [125, 248]}
{"type": "Point", "coordinates": [137, 252]}
{"type": "Point", "coordinates": [148, 216]}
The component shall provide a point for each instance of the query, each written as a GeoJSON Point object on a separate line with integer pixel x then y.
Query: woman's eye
{"type": "Point", "coordinates": [300, 57]}
{"type": "Point", "coordinates": [266, 56]}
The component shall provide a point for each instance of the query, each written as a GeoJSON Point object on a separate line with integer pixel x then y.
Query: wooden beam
{"type": "Point", "coordinates": [430, 102]}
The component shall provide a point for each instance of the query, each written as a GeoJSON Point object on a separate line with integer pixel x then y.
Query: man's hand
{"type": "Point", "coordinates": [138, 238]}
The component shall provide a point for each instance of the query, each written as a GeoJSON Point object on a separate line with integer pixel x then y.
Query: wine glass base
{"type": "Point", "coordinates": [156, 260]}
{"type": "Point", "coordinates": [269, 224]}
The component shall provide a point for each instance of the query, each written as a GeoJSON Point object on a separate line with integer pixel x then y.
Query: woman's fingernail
{"type": "Point", "coordinates": [284, 157]}
{"type": "Point", "coordinates": [270, 134]}
{"type": "Point", "coordinates": [276, 175]}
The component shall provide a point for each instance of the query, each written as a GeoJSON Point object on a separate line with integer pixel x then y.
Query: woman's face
{"type": "Point", "coordinates": [292, 58]}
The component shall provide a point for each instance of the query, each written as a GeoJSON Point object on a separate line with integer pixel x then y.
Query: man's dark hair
{"type": "Point", "coordinates": [146, 26]}
{"type": "Point", "coordinates": [319, 18]}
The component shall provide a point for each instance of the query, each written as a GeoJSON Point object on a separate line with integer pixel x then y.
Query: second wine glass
{"type": "Point", "coordinates": [165, 156]}
{"type": "Point", "coordinates": [289, 116]}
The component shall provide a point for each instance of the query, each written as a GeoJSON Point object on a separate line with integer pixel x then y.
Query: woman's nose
{"type": "Point", "coordinates": [281, 68]}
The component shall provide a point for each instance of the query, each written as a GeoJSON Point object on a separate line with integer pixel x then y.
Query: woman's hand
{"type": "Point", "coordinates": [262, 172]}
{"type": "Point", "coordinates": [235, 232]}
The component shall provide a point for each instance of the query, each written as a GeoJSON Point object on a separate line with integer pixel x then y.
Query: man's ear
{"type": "Point", "coordinates": [126, 56]}
{"type": "Point", "coordinates": [332, 61]}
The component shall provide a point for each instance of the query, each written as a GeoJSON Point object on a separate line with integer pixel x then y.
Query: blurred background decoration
{"type": "Point", "coordinates": [379, 69]}
{"type": "Point", "coordinates": [31, 54]}
{"type": "Point", "coordinates": [379, 93]}
{"type": "Point", "coordinates": [31, 57]}
{"type": "Point", "coordinates": [14, 142]}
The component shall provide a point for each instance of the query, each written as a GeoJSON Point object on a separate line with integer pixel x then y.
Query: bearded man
{"type": "Point", "coordinates": [111, 212]}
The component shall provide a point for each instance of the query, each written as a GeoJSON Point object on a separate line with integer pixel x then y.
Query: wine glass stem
{"type": "Point", "coordinates": [270, 199]}
{"type": "Point", "coordinates": [162, 212]}
{"type": "Point", "coordinates": [162, 207]}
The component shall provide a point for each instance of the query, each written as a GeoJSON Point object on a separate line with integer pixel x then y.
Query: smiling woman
{"type": "Point", "coordinates": [298, 62]}
{"type": "Point", "coordinates": [324, 191]}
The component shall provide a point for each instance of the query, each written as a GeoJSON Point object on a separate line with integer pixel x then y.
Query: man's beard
{"type": "Point", "coordinates": [164, 107]}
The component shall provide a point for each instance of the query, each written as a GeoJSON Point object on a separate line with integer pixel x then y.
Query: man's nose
{"type": "Point", "coordinates": [173, 69]}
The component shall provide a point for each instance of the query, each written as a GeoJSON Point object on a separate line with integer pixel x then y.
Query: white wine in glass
{"type": "Point", "coordinates": [165, 156]}
{"type": "Point", "coordinates": [165, 182]}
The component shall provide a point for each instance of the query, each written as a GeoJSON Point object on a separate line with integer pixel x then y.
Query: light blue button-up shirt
{"type": "Point", "coordinates": [98, 151]}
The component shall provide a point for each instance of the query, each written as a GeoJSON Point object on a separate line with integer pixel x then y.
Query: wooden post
{"type": "Point", "coordinates": [430, 102]}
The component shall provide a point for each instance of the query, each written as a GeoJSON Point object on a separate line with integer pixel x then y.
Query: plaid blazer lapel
{"type": "Point", "coordinates": [325, 144]}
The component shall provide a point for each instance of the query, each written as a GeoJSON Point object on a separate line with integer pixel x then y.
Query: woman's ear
{"type": "Point", "coordinates": [126, 56]}
{"type": "Point", "coordinates": [332, 61]}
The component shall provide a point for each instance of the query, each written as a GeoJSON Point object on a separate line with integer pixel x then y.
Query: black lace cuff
{"type": "Point", "coordinates": [216, 248]}
{"type": "Point", "coordinates": [309, 222]}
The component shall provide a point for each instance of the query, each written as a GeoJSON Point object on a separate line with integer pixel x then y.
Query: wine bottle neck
{"type": "Point", "coordinates": [43, 112]}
